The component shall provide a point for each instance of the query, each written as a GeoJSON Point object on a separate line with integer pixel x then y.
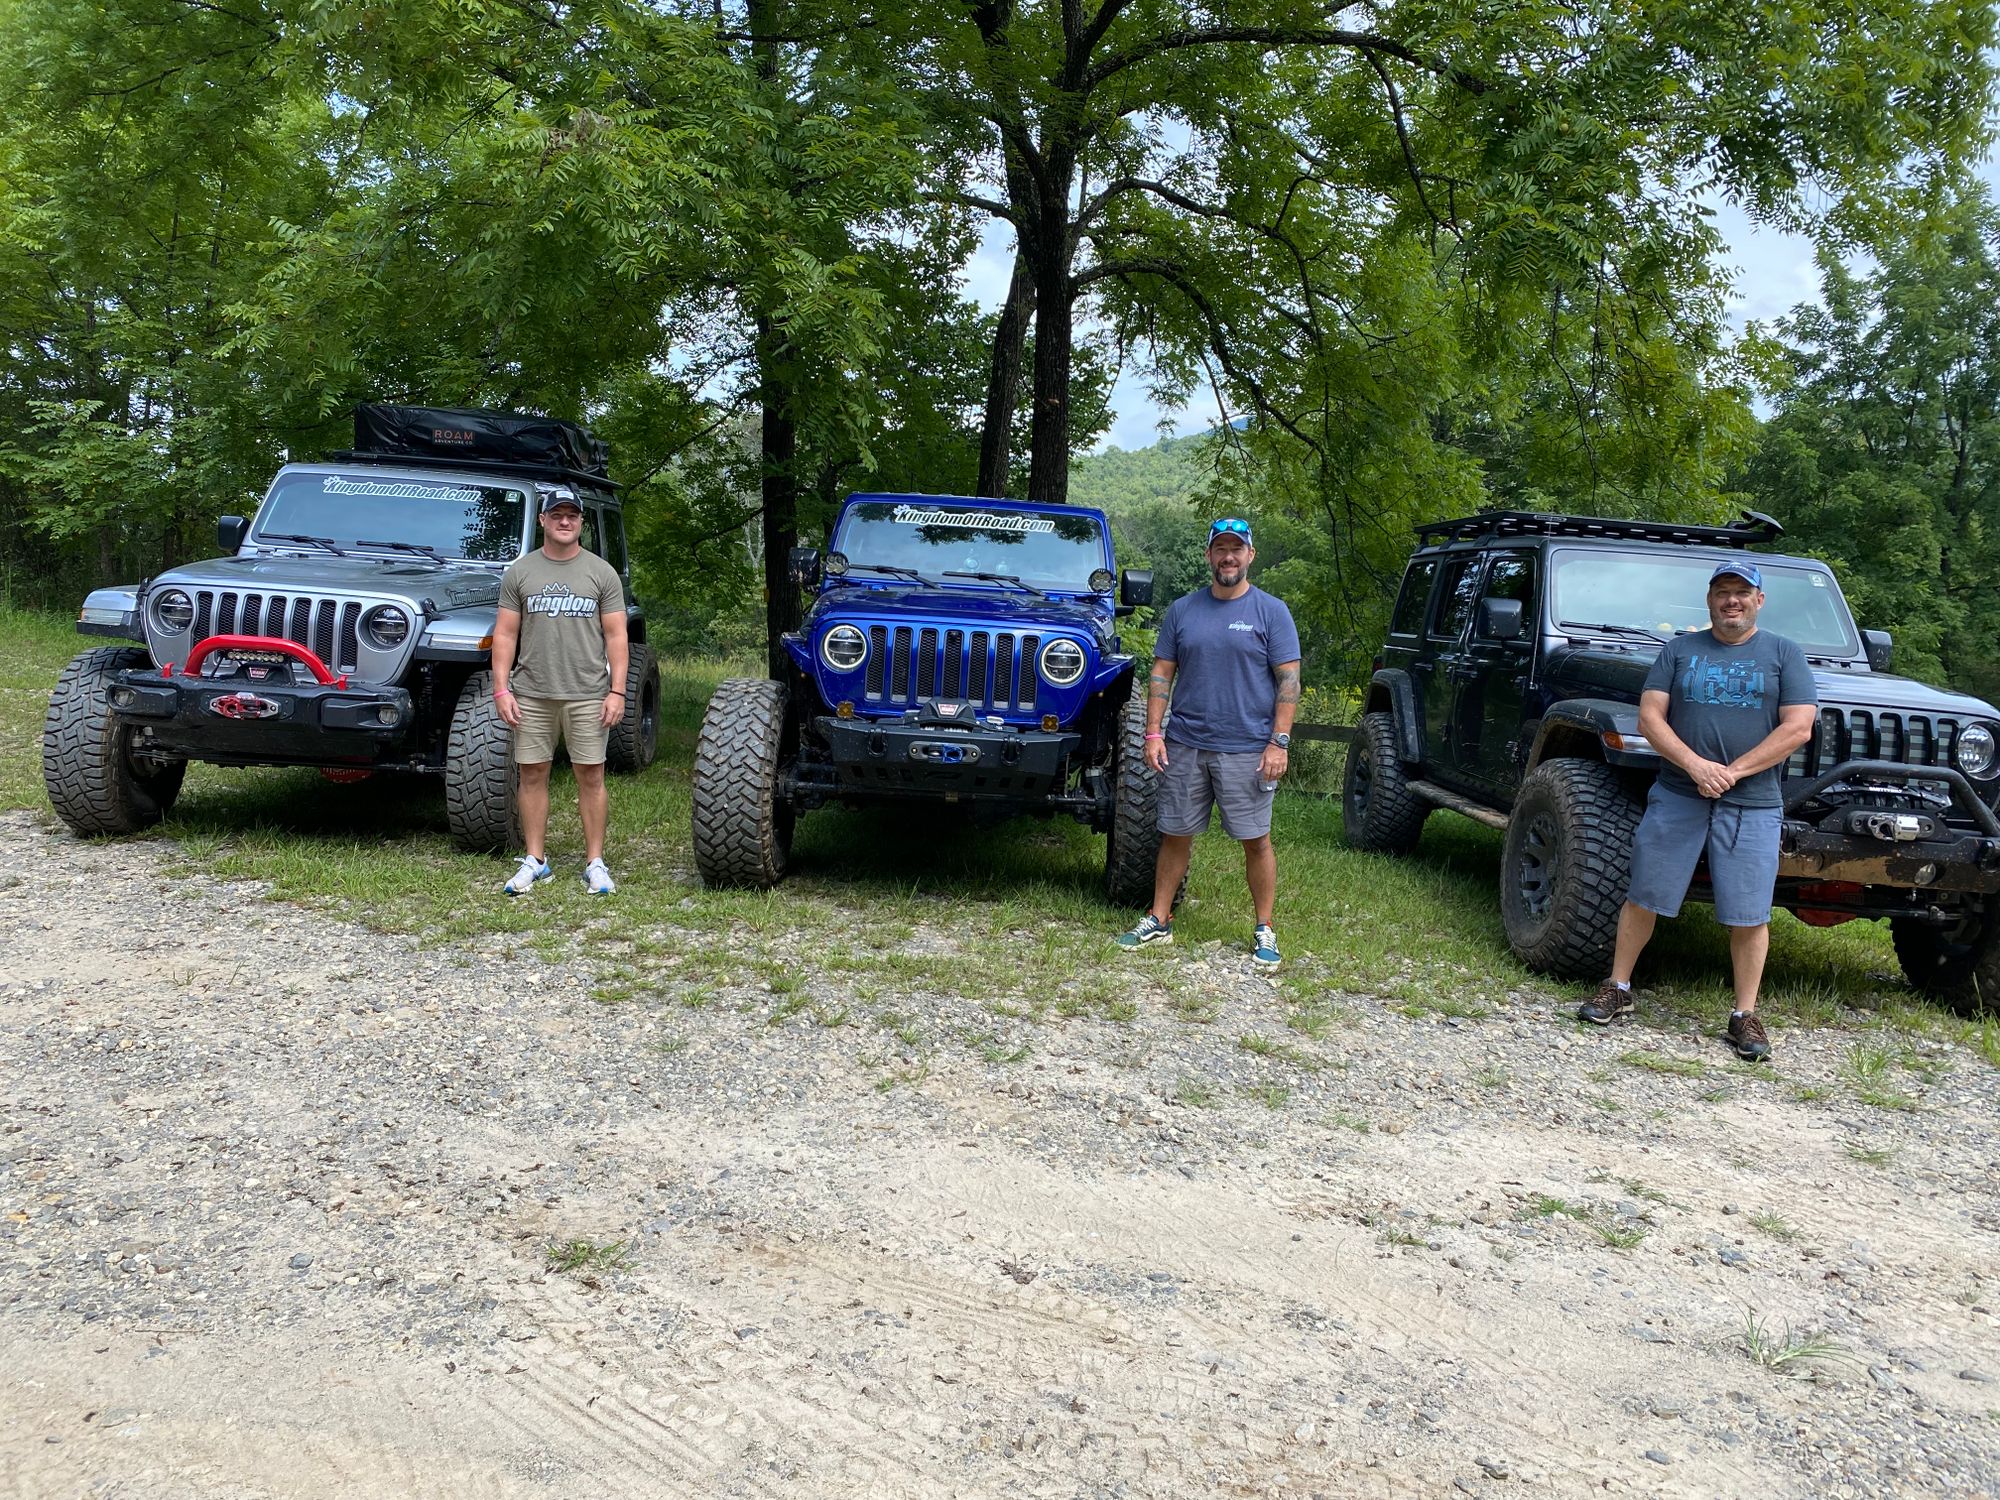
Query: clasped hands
{"type": "Point", "coordinates": [1711, 778]}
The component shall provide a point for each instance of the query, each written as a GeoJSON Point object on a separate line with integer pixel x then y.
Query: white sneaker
{"type": "Point", "coordinates": [597, 879]}
{"type": "Point", "coordinates": [532, 870]}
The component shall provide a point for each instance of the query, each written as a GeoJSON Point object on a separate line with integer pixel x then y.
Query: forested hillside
{"type": "Point", "coordinates": [1430, 259]}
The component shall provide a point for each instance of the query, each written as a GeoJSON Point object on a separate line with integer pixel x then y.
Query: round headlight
{"type": "Point", "coordinates": [386, 627]}
{"type": "Point", "coordinates": [1101, 581]}
{"type": "Point", "coordinates": [843, 648]}
{"type": "Point", "coordinates": [173, 611]}
{"type": "Point", "coordinates": [835, 564]}
{"type": "Point", "coordinates": [1975, 750]}
{"type": "Point", "coordinates": [1063, 662]}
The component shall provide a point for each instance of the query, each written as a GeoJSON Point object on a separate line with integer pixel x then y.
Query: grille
{"type": "Point", "coordinates": [1866, 734]}
{"type": "Point", "coordinates": [329, 628]}
{"type": "Point", "coordinates": [995, 671]}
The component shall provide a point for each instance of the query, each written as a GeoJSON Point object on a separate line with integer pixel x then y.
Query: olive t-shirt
{"type": "Point", "coordinates": [1723, 701]}
{"type": "Point", "coordinates": [562, 607]}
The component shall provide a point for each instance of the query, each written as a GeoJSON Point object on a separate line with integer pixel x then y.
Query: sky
{"type": "Point", "coordinates": [1774, 273]}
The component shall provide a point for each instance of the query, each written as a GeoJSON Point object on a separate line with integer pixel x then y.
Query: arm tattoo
{"type": "Point", "coordinates": [1157, 687]}
{"type": "Point", "coordinates": [1288, 684]}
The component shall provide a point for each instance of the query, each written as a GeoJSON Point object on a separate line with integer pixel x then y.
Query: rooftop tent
{"type": "Point", "coordinates": [434, 432]}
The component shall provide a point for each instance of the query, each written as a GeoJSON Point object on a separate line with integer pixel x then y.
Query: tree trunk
{"type": "Point", "coordinates": [1003, 382]}
{"type": "Point", "coordinates": [779, 451]}
{"type": "Point", "coordinates": [1048, 440]}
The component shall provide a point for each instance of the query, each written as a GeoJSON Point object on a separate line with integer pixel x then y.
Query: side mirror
{"type": "Point", "coordinates": [1135, 586]}
{"type": "Point", "coordinates": [805, 567]}
{"type": "Point", "coordinates": [230, 531]}
{"type": "Point", "coordinates": [1500, 619]}
{"type": "Point", "coordinates": [1880, 649]}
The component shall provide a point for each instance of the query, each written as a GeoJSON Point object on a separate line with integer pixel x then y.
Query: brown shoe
{"type": "Point", "coordinates": [1607, 1005]}
{"type": "Point", "coordinates": [1747, 1035]}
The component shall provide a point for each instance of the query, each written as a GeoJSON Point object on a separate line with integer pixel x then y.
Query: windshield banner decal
{"type": "Point", "coordinates": [397, 489]}
{"type": "Point", "coordinates": [911, 515]}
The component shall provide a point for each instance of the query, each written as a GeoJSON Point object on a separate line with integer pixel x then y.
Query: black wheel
{"type": "Point", "coordinates": [95, 783]}
{"type": "Point", "coordinates": [742, 826]}
{"type": "Point", "coordinates": [479, 774]}
{"type": "Point", "coordinates": [1378, 809]}
{"type": "Point", "coordinates": [1957, 966]}
{"type": "Point", "coordinates": [635, 739]}
{"type": "Point", "coordinates": [1567, 864]}
{"type": "Point", "coordinates": [1132, 843]}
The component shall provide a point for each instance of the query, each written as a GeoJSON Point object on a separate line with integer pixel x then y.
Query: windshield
{"type": "Point", "coordinates": [1044, 550]}
{"type": "Point", "coordinates": [452, 518]}
{"type": "Point", "coordinates": [1668, 595]}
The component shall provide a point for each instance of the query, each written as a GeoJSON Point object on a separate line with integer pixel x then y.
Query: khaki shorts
{"type": "Point", "coordinates": [577, 722]}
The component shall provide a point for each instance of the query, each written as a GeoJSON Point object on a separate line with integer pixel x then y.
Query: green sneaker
{"type": "Point", "coordinates": [1264, 948]}
{"type": "Point", "coordinates": [1149, 931]}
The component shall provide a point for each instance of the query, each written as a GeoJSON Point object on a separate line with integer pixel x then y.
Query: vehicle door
{"type": "Point", "coordinates": [1491, 679]}
{"type": "Point", "coordinates": [1445, 661]}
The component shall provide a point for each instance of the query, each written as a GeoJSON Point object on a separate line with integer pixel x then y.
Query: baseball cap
{"type": "Point", "coordinates": [559, 494]}
{"type": "Point", "coordinates": [1747, 571]}
{"type": "Point", "coordinates": [1231, 526]}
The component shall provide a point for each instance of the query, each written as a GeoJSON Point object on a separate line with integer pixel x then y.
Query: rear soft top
{"type": "Point", "coordinates": [478, 434]}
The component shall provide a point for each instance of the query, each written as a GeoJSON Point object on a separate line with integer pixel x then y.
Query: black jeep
{"type": "Point", "coordinates": [1508, 691]}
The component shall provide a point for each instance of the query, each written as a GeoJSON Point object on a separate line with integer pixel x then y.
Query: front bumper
{"type": "Point", "coordinates": [876, 758]}
{"type": "Point", "coordinates": [1917, 847]}
{"type": "Point", "coordinates": [236, 721]}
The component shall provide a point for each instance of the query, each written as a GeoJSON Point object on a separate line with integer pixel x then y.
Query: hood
{"type": "Point", "coordinates": [997, 607]}
{"type": "Point", "coordinates": [1608, 672]}
{"type": "Point", "coordinates": [449, 585]}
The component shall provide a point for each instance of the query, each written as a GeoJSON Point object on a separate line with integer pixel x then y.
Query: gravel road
{"type": "Point", "coordinates": [278, 1199]}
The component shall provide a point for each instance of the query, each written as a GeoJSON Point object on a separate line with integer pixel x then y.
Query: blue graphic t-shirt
{"type": "Point", "coordinates": [1223, 651]}
{"type": "Point", "coordinates": [1723, 701]}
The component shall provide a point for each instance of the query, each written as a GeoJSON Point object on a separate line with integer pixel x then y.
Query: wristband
{"type": "Point", "coordinates": [503, 692]}
{"type": "Point", "coordinates": [614, 693]}
{"type": "Point", "coordinates": [1154, 734]}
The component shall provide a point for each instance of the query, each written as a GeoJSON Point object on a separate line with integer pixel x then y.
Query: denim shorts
{"type": "Point", "coordinates": [1197, 780]}
{"type": "Point", "coordinates": [1742, 848]}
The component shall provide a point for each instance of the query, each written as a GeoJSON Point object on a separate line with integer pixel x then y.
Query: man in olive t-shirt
{"type": "Point", "coordinates": [559, 660]}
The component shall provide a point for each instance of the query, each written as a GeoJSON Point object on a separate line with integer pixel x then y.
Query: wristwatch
{"type": "Point", "coordinates": [1282, 741]}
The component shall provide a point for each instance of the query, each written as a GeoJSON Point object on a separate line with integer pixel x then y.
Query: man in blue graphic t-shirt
{"type": "Point", "coordinates": [1228, 656]}
{"type": "Point", "coordinates": [1724, 707]}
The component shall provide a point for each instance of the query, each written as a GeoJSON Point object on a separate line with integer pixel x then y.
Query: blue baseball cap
{"type": "Point", "coordinates": [1747, 571]}
{"type": "Point", "coordinates": [1231, 526]}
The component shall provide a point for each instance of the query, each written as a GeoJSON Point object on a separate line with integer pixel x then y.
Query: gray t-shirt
{"type": "Point", "coordinates": [1223, 651]}
{"type": "Point", "coordinates": [1723, 701]}
{"type": "Point", "coordinates": [562, 607]}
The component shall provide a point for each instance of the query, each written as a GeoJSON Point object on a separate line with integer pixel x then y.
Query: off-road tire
{"type": "Point", "coordinates": [1378, 809]}
{"type": "Point", "coordinates": [742, 826]}
{"type": "Point", "coordinates": [479, 775]}
{"type": "Point", "coordinates": [1958, 967]}
{"type": "Point", "coordinates": [1132, 843]}
{"type": "Point", "coordinates": [94, 784]}
{"type": "Point", "coordinates": [1566, 866]}
{"type": "Point", "coordinates": [635, 739]}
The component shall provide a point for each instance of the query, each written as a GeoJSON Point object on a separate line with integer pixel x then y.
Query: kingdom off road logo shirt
{"type": "Point", "coordinates": [1724, 700]}
{"type": "Point", "coordinates": [562, 607]}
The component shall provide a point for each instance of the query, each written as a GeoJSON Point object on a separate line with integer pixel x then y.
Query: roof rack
{"type": "Point", "coordinates": [553, 472]}
{"type": "Point", "coordinates": [1754, 528]}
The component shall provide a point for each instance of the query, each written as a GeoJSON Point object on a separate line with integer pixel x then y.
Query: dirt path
{"type": "Point", "coordinates": [276, 1198]}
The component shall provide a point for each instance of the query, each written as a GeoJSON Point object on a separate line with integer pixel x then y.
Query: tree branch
{"type": "Point", "coordinates": [1281, 36]}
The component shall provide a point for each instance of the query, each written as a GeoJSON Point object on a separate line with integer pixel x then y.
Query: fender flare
{"type": "Point", "coordinates": [1391, 690]}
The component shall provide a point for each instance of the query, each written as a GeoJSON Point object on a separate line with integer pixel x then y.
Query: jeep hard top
{"type": "Point", "coordinates": [1508, 691]}
{"type": "Point", "coordinates": [348, 627]}
{"type": "Point", "coordinates": [955, 651]}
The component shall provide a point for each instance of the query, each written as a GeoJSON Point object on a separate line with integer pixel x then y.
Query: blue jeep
{"type": "Point", "coordinates": [956, 651]}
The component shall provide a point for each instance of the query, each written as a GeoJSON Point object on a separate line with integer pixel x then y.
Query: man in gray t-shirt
{"type": "Point", "coordinates": [1724, 707]}
{"type": "Point", "coordinates": [559, 659]}
{"type": "Point", "coordinates": [1229, 656]}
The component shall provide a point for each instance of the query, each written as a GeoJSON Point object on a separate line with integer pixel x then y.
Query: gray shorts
{"type": "Point", "coordinates": [1742, 848]}
{"type": "Point", "coordinates": [1196, 780]}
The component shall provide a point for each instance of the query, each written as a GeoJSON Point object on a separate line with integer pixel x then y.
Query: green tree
{"type": "Point", "coordinates": [1884, 454]}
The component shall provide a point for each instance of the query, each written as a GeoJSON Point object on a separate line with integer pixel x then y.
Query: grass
{"type": "Point", "coordinates": [1789, 1352]}
{"type": "Point", "coordinates": [1867, 1069]}
{"type": "Point", "coordinates": [1195, 1093]}
{"type": "Point", "coordinates": [1660, 1062]}
{"type": "Point", "coordinates": [1873, 1156]}
{"type": "Point", "coordinates": [1010, 914]}
{"type": "Point", "coordinates": [585, 1258]}
{"type": "Point", "coordinates": [1774, 1226]}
